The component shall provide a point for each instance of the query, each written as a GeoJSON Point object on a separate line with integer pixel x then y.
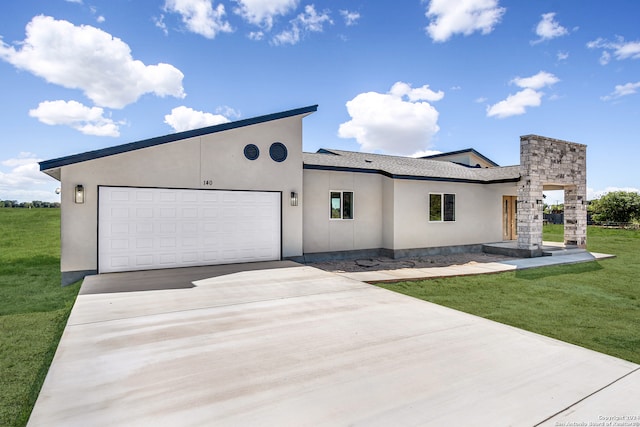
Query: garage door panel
{"type": "Point", "coordinates": [119, 244]}
{"type": "Point", "coordinates": [162, 228]}
{"type": "Point", "coordinates": [190, 257]}
{"type": "Point", "coordinates": [189, 197]}
{"type": "Point", "coordinates": [167, 196]}
{"type": "Point", "coordinates": [144, 243]}
{"type": "Point", "coordinates": [143, 260]}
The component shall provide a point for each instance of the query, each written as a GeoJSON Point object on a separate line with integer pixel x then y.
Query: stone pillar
{"type": "Point", "coordinates": [575, 216]}
{"type": "Point", "coordinates": [530, 200]}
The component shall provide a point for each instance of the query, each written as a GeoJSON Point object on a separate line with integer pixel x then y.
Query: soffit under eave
{"type": "Point", "coordinates": [53, 173]}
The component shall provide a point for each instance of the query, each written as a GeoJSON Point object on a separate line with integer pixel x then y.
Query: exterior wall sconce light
{"type": "Point", "coordinates": [294, 198]}
{"type": "Point", "coordinates": [79, 194]}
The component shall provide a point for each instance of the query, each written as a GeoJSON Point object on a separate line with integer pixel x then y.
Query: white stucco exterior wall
{"type": "Point", "coordinates": [323, 234]}
{"type": "Point", "coordinates": [214, 162]}
{"type": "Point", "coordinates": [394, 213]}
{"type": "Point", "coordinates": [478, 214]}
{"type": "Point", "coordinates": [388, 210]}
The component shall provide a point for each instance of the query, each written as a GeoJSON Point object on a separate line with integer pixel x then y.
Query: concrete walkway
{"type": "Point", "coordinates": [401, 274]}
{"type": "Point", "coordinates": [284, 344]}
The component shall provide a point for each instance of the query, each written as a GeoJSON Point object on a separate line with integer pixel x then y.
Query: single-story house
{"type": "Point", "coordinates": [244, 191]}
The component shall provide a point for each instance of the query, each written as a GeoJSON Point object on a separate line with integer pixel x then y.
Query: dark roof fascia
{"type": "Point", "coordinates": [346, 169]}
{"type": "Point", "coordinates": [468, 150]}
{"type": "Point", "coordinates": [151, 142]}
{"type": "Point", "coordinates": [408, 177]}
{"type": "Point", "coordinates": [325, 151]}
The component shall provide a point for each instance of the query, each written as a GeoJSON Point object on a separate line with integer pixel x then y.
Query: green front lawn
{"type": "Point", "coordinates": [33, 307]}
{"type": "Point", "coordinates": [594, 305]}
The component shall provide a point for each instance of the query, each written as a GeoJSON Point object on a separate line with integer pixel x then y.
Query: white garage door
{"type": "Point", "coordinates": [150, 228]}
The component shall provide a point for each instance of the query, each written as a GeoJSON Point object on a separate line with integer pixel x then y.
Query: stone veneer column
{"type": "Point", "coordinates": [530, 198]}
{"type": "Point", "coordinates": [575, 216]}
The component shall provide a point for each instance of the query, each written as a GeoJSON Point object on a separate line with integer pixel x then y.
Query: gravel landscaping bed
{"type": "Point", "coordinates": [384, 263]}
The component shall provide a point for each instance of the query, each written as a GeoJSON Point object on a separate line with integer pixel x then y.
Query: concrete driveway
{"type": "Point", "coordinates": [289, 345]}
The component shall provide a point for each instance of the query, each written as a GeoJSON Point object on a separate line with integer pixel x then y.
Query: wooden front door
{"type": "Point", "coordinates": [509, 212]}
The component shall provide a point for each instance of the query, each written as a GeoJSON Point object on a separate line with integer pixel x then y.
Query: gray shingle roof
{"type": "Point", "coordinates": [407, 167]}
{"type": "Point", "coordinates": [465, 151]}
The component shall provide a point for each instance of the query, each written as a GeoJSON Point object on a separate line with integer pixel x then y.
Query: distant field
{"type": "Point", "coordinates": [595, 305]}
{"type": "Point", "coordinates": [33, 306]}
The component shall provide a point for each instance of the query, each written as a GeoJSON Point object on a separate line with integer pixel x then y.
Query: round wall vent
{"type": "Point", "coordinates": [251, 151]}
{"type": "Point", "coordinates": [278, 151]}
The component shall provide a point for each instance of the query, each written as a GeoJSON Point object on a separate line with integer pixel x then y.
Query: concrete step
{"type": "Point", "coordinates": [562, 251]}
{"type": "Point", "coordinates": [510, 249]}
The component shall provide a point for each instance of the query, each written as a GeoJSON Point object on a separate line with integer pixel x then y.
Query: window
{"type": "Point", "coordinates": [442, 207]}
{"type": "Point", "coordinates": [342, 205]}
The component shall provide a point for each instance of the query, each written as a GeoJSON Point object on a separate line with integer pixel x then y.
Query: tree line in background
{"type": "Point", "coordinates": [617, 206]}
{"type": "Point", "coordinates": [621, 207]}
{"type": "Point", "coordinates": [28, 205]}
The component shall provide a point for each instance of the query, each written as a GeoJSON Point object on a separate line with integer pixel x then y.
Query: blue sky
{"type": "Point", "coordinates": [389, 77]}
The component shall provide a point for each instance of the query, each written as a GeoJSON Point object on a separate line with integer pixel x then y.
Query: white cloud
{"type": "Point", "coordinates": [311, 20]}
{"type": "Point", "coordinates": [89, 59]}
{"type": "Point", "coordinates": [425, 153]}
{"type": "Point", "coordinates": [263, 12]}
{"type": "Point", "coordinates": [537, 81]}
{"type": "Point", "coordinates": [620, 49]}
{"type": "Point", "coordinates": [397, 122]}
{"type": "Point", "coordinates": [308, 21]}
{"type": "Point", "coordinates": [291, 36]}
{"type": "Point", "coordinates": [548, 29]}
{"type": "Point", "coordinates": [228, 112]}
{"type": "Point", "coordinates": [99, 19]}
{"type": "Point", "coordinates": [622, 90]}
{"type": "Point", "coordinates": [515, 104]}
{"type": "Point", "coordinates": [628, 50]}
{"type": "Point", "coordinates": [184, 118]}
{"type": "Point", "coordinates": [256, 35]}
{"type": "Point", "coordinates": [529, 96]}
{"type": "Point", "coordinates": [21, 180]}
{"type": "Point", "coordinates": [159, 22]}
{"type": "Point", "coordinates": [595, 44]}
{"type": "Point", "coordinates": [449, 17]}
{"type": "Point", "coordinates": [350, 18]}
{"type": "Point", "coordinates": [562, 55]}
{"type": "Point", "coordinates": [88, 120]}
{"type": "Point", "coordinates": [200, 17]}
{"type": "Point", "coordinates": [400, 89]}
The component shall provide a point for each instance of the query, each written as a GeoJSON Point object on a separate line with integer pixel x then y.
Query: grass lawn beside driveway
{"type": "Point", "coordinates": [594, 305]}
{"type": "Point", "coordinates": [33, 306]}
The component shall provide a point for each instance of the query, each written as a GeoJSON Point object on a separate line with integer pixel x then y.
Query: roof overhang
{"type": "Point", "coordinates": [407, 177]}
{"type": "Point", "coordinates": [52, 167]}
